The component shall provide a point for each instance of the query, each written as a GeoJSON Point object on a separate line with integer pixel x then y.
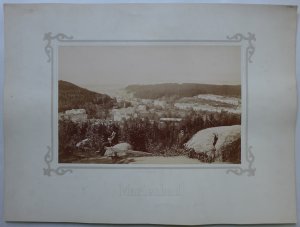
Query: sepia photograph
{"type": "Point", "coordinates": [149, 104]}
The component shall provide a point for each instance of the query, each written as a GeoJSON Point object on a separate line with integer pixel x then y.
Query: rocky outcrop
{"type": "Point", "coordinates": [118, 149]}
{"type": "Point", "coordinates": [216, 144]}
{"type": "Point", "coordinates": [123, 149]}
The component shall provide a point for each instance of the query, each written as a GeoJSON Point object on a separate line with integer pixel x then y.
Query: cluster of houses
{"type": "Point", "coordinates": [140, 107]}
{"type": "Point", "coordinates": [123, 113]}
{"type": "Point", "coordinates": [145, 107]}
{"type": "Point", "coordinates": [205, 107]}
{"type": "Point", "coordinates": [118, 115]}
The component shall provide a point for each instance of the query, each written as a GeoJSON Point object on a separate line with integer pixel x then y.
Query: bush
{"type": "Point", "coordinates": [232, 152]}
{"type": "Point", "coordinates": [71, 133]}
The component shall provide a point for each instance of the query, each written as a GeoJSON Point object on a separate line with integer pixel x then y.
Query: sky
{"type": "Point", "coordinates": [118, 64]}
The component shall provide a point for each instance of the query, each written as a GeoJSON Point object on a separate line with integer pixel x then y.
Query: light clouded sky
{"type": "Point", "coordinates": [149, 64]}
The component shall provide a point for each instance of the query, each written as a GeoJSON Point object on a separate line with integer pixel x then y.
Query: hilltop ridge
{"type": "Point", "coordinates": [156, 91]}
{"type": "Point", "coordinates": [72, 96]}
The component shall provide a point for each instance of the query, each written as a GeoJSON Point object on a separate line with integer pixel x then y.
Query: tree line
{"type": "Point", "coordinates": [156, 91]}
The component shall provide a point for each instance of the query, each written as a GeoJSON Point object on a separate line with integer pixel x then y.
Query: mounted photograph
{"type": "Point", "coordinates": [149, 103]}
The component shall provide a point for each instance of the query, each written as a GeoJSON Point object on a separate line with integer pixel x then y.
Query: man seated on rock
{"type": "Point", "coordinates": [111, 140]}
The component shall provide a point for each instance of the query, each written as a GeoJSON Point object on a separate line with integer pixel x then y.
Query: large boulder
{"type": "Point", "coordinates": [217, 143]}
{"type": "Point", "coordinates": [122, 146]}
{"type": "Point", "coordinates": [119, 149]}
{"type": "Point", "coordinates": [82, 143]}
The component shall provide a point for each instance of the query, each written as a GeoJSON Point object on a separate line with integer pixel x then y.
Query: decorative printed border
{"type": "Point", "coordinates": [237, 38]}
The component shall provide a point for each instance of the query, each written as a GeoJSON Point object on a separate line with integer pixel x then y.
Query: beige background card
{"type": "Point", "coordinates": [260, 190]}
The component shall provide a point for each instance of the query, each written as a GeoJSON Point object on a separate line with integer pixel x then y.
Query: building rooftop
{"type": "Point", "coordinates": [170, 119]}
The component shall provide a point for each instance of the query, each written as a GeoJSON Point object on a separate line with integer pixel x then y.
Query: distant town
{"type": "Point", "coordinates": [127, 106]}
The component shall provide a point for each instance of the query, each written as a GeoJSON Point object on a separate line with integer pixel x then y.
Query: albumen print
{"type": "Point", "coordinates": [149, 104]}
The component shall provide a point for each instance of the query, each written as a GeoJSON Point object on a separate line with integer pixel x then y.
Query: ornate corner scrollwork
{"type": "Point", "coordinates": [250, 170]}
{"type": "Point", "coordinates": [48, 159]}
{"type": "Point", "coordinates": [49, 37]}
{"type": "Point", "coordinates": [250, 38]}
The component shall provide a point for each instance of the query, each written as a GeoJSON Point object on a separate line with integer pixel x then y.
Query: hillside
{"type": "Point", "coordinates": [72, 96]}
{"type": "Point", "coordinates": [155, 91]}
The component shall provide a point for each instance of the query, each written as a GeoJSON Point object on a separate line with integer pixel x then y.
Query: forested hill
{"type": "Point", "coordinates": [72, 96]}
{"type": "Point", "coordinates": [156, 91]}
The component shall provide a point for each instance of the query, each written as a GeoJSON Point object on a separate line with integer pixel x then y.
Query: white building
{"type": "Point", "coordinates": [123, 113]}
{"type": "Point", "coordinates": [160, 103]}
{"type": "Point", "coordinates": [184, 106]}
{"type": "Point", "coordinates": [170, 119]}
{"type": "Point", "coordinates": [75, 115]}
{"type": "Point", "coordinates": [146, 101]}
{"type": "Point", "coordinates": [142, 107]}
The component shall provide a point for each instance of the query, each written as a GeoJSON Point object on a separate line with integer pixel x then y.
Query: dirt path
{"type": "Point", "coordinates": [165, 160]}
{"type": "Point", "coordinates": [141, 160]}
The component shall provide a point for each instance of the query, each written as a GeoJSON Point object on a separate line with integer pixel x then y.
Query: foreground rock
{"type": "Point", "coordinates": [123, 149]}
{"type": "Point", "coordinates": [117, 150]}
{"type": "Point", "coordinates": [216, 144]}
